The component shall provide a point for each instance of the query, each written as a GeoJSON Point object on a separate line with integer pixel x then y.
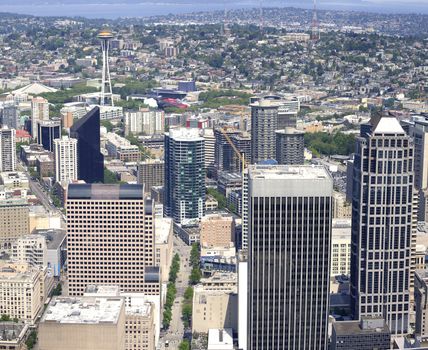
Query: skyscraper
{"type": "Point", "coordinates": [382, 223]}
{"type": "Point", "coordinates": [184, 174]}
{"type": "Point", "coordinates": [290, 146]}
{"type": "Point", "coordinates": [65, 150]}
{"type": "Point", "coordinates": [264, 122]}
{"type": "Point", "coordinates": [111, 238]}
{"type": "Point", "coordinates": [7, 149]}
{"type": "Point", "coordinates": [419, 131]}
{"type": "Point", "coordinates": [47, 132]}
{"type": "Point", "coordinates": [39, 111]}
{"type": "Point", "coordinates": [288, 263]}
{"type": "Point", "coordinates": [90, 161]}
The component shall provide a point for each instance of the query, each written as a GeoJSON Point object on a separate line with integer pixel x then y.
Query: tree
{"type": "Point", "coordinates": [110, 177]}
{"type": "Point", "coordinates": [195, 276]}
{"type": "Point", "coordinates": [184, 345]}
{"type": "Point", "coordinates": [186, 314]}
{"type": "Point", "coordinates": [31, 340]}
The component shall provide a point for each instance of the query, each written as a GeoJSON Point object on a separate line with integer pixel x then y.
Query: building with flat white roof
{"type": "Point", "coordinates": [163, 245]}
{"type": "Point", "coordinates": [220, 339]}
{"type": "Point", "coordinates": [84, 323]}
{"type": "Point", "coordinates": [142, 316]}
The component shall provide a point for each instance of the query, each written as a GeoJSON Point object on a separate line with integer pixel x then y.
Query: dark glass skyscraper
{"type": "Point", "coordinates": [184, 175]}
{"type": "Point", "coordinates": [47, 132]}
{"type": "Point", "coordinates": [382, 223]}
{"type": "Point", "coordinates": [90, 161]}
{"type": "Point", "coordinates": [290, 215]}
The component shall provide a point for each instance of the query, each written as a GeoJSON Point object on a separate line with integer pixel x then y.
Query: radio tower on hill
{"type": "Point", "coordinates": [315, 28]}
{"type": "Point", "coordinates": [105, 36]}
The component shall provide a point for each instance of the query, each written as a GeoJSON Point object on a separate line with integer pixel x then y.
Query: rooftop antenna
{"type": "Point", "coordinates": [261, 14]}
{"type": "Point", "coordinates": [315, 28]}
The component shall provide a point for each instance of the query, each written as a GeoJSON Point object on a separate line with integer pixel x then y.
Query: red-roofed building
{"type": "Point", "coordinates": [22, 136]}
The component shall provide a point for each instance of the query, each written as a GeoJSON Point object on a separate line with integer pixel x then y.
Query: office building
{"type": "Point", "coordinates": [215, 303]}
{"type": "Point", "coordinates": [45, 165]}
{"type": "Point", "coordinates": [290, 146]}
{"type": "Point", "coordinates": [340, 247]}
{"type": "Point", "coordinates": [47, 132]}
{"type": "Point", "coordinates": [14, 335]}
{"type": "Point", "coordinates": [382, 223]}
{"type": "Point", "coordinates": [367, 334]}
{"type": "Point", "coordinates": [418, 130]}
{"type": "Point", "coordinates": [14, 220]}
{"type": "Point", "coordinates": [208, 135]}
{"type": "Point", "coordinates": [151, 173]}
{"type": "Point", "coordinates": [264, 122]}
{"type": "Point", "coordinates": [39, 111]}
{"type": "Point", "coordinates": [90, 161]}
{"type": "Point", "coordinates": [290, 220]}
{"type": "Point", "coordinates": [184, 175]}
{"type": "Point", "coordinates": [164, 246]}
{"type": "Point", "coordinates": [217, 231]}
{"type": "Point", "coordinates": [30, 249]}
{"type": "Point", "coordinates": [7, 149]}
{"type": "Point", "coordinates": [11, 115]}
{"type": "Point", "coordinates": [21, 291]}
{"type": "Point", "coordinates": [142, 316]}
{"type": "Point", "coordinates": [110, 238]}
{"type": "Point", "coordinates": [85, 323]}
{"type": "Point", "coordinates": [145, 122]}
{"type": "Point", "coordinates": [341, 207]}
{"type": "Point", "coordinates": [121, 148]}
{"type": "Point", "coordinates": [421, 304]}
{"type": "Point", "coordinates": [65, 150]}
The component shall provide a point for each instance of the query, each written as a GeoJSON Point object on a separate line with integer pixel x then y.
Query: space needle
{"type": "Point", "coordinates": [105, 36]}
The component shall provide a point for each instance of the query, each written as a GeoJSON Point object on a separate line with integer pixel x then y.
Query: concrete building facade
{"type": "Point", "coordinates": [264, 122]}
{"type": "Point", "coordinates": [217, 231]}
{"type": "Point", "coordinates": [14, 220]}
{"type": "Point", "coordinates": [7, 149]}
{"type": "Point", "coordinates": [111, 238]}
{"type": "Point", "coordinates": [151, 173]}
{"type": "Point", "coordinates": [85, 323]}
{"type": "Point", "coordinates": [65, 150]}
{"type": "Point", "coordinates": [290, 146]}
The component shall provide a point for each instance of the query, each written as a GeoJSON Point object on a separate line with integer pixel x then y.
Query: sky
{"type": "Point", "coordinates": [141, 8]}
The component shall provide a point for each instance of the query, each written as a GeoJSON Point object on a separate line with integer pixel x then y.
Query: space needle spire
{"type": "Point", "coordinates": [105, 36]}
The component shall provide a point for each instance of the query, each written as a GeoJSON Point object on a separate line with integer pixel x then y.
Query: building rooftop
{"type": "Point", "coordinates": [84, 310]}
{"type": "Point", "coordinates": [219, 339]}
{"type": "Point", "coordinates": [290, 131]}
{"type": "Point", "coordinates": [185, 134]}
{"type": "Point", "coordinates": [163, 228]}
{"type": "Point", "coordinates": [288, 172]}
{"type": "Point", "coordinates": [365, 326]}
{"type": "Point", "coordinates": [105, 191]}
{"type": "Point", "coordinates": [54, 237]}
{"type": "Point", "coordinates": [12, 331]}
{"type": "Point", "coordinates": [387, 125]}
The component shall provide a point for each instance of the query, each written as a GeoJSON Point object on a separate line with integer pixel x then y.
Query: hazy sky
{"type": "Point", "coordinates": [130, 8]}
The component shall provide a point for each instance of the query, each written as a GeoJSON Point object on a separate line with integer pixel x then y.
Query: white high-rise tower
{"type": "Point", "coordinates": [106, 92]}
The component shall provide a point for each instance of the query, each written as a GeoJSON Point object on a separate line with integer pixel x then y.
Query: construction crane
{"type": "Point", "coordinates": [241, 157]}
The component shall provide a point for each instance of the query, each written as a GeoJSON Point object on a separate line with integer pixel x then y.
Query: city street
{"type": "Point", "coordinates": [174, 334]}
